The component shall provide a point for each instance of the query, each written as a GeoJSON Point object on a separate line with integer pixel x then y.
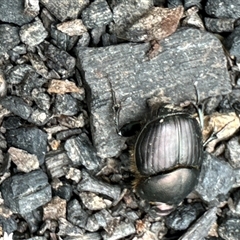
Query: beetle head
{"type": "Point", "coordinates": [167, 190]}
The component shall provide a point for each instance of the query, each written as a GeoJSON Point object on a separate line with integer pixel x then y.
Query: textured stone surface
{"type": "Point", "coordinates": [229, 229]}
{"type": "Point", "coordinates": [90, 184]}
{"type": "Point", "coordinates": [9, 37]}
{"type": "Point", "coordinates": [33, 33]}
{"type": "Point", "coordinates": [24, 193]}
{"type": "Point", "coordinates": [223, 8]}
{"type": "Point", "coordinates": [63, 9]}
{"type": "Point", "coordinates": [187, 56]}
{"type": "Point", "coordinates": [12, 11]}
{"type": "Point", "coordinates": [81, 152]}
{"type": "Point", "coordinates": [97, 14]}
{"type": "Point", "coordinates": [232, 43]}
{"type": "Point", "coordinates": [200, 229]}
{"type": "Point", "coordinates": [216, 179]}
{"type": "Point", "coordinates": [219, 25]}
{"type": "Point", "coordinates": [32, 140]}
{"type": "Point", "coordinates": [232, 152]}
{"type": "Point", "coordinates": [55, 162]}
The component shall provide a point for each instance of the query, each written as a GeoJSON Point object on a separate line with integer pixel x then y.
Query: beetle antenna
{"type": "Point", "coordinates": [197, 104]}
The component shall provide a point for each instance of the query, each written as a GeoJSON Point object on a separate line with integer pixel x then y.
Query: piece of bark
{"type": "Point", "coordinates": [62, 87]}
{"type": "Point", "coordinates": [25, 161]}
{"type": "Point", "coordinates": [187, 56]}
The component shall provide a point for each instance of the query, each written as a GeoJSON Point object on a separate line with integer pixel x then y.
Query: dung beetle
{"type": "Point", "coordinates": [167, 155]}
{"type": "Point", "coordinates": [167, 158]}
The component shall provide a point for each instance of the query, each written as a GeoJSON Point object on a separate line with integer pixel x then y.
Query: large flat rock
{"type": "Point", "coordinates": [187, 56]}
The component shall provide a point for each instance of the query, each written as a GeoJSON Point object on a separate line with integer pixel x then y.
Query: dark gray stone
{"type": "Point", "coordinates": [90, 184]}
{"type": "Point", "coordinates": [59, 60]}
{"type": "Point", "coordinates": [236, 202]}
{"type": "Point", "coordinates": [223, 8]}
{"type": "Point", "coordinates": [216, 178]}
{"type": "Point", "coordinates": [30, 81]}
{"type": "Point", "coordinates": [96, 34]}
{"type": "Point", "coordinates": [63, 9]}
{"type": "Point", "coordinates": [182, 217]}
{"type": "Point", "coordinates": [200, 229]}
{"type": "Point", "coordinates": [187, 56]}
{"type": "Point", "coordinates": [83, 40]}
{"type": "Point", "coordinates": [81, 152]}
{"type": "Point", "coordinates": [55, 162]}
{"type": "Point", "coordinates": [16, 74]}
{"type": "Point", "coordinates": [33, 219]}
{"type": "Point", "coordinates": [125, 13]}
{"type": "Point", "coordinates": [12, 122]}
{"type": "Point", "coordinates": [92, 224]}
{"type": "Point", "coordinates": [13, 11]}
{"type": "Point", "coordinates": [174, 3]}
{"type": "Point", "coordinates": [68, 229]}
{"type": "Point", "coordinates": [23, 193]}
{"type": "Point", "coordinates": [65, 104]}
{"type": "Point", "coordinates": [9, 37]}
{"type": "Point", "coordinates": [63, 135]}
{"type": "Point", "coordinates": [64, 191]}
{"type": "Point", "coordinates": [33, 33]}
{"type": "Point", "coordinates": [232, 43]}
{"type": "Point", "coordinates": [32, 140]}
{"type": "Point", "coordinates": [105, 220]}
{"type": "Point", "coordinates": [76, 214]}
{"type": "Point", "coordinates": [7, 220]}
{"type": "Point", "coordinates": [219, 25]}
{"type": "Point", "coordinates": [41, 98]}
{"type": "Point", "coordinates": [17, 106]}
{"type": "Point", "coordinates": [96, 14]}
{"type": "Point", "coordinates": [229, 229]}
{"type": "Point", "coordinates": [62, 40]}
{"type": "Point", "coordinates": [192, 3]}
{"type": "Point", "coordinates": [232, 152]}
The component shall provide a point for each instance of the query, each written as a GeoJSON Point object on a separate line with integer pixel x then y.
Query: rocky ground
{"type": "Point", "coordinates": [71, 72]}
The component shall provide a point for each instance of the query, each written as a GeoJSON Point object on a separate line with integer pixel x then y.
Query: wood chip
{"type": "Point", "coordinates": [55, 209]}
{"type": "Point", "coordinates": [225, 125]}
{"type": "Point", "coordinates": [72, 28]}
{"type": "Point", "coordinates": [62, 87]}
{"type": "Point", "coordinates": [25, 161]}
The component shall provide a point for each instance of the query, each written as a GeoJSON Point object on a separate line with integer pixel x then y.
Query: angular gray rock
{"type": "Point", "coordinates": [32, 140]}
{"type": "Point", "coordinates": [216, 179]}
{"type": "Point", "coordinates": [97, 14]}
{"type": "Point", "coordinates": [223, 8]}
{"type": "Point", "coordinates": [9, 37]}
{"type": "Point", "coordinates": [63, 9]}
{"type": "Point", "coordinates": [33, 33]}
{"type": "Point", "coordinates": [23, 193]}
{"type": "Point", "coordinates": [187, 56]}
{"type": "Point", "coordinates": [81, 152]}
{"type": "Point", "coordinates": [13, 11]}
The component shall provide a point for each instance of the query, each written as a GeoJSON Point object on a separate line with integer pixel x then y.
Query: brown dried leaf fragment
{"type": "Point", "coordinates": [72, 28]}
{"type": "Point", "coordinates": [55, 209]}
{"type": "Point", "coordinates": [225, 125]}
{"type": "Point", "coordinates": [24, 161]}
{"type": "Point", "coordinates": [156, 24]}
{"type": "Point", "coordinates": [62, 87]}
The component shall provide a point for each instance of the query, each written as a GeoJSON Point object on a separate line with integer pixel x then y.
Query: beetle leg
{"type": "Point", "coordinates": [116, 108]}
{"type": "Point", "coordinates": [197, 104]}
{"type": "Point", "coordinates": [214, 134]}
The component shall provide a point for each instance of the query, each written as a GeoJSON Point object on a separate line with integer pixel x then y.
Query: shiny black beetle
{"type": "Point", "coordinates": [167, 158]}
{"type": "Point", "coordinates": [167, 155]}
